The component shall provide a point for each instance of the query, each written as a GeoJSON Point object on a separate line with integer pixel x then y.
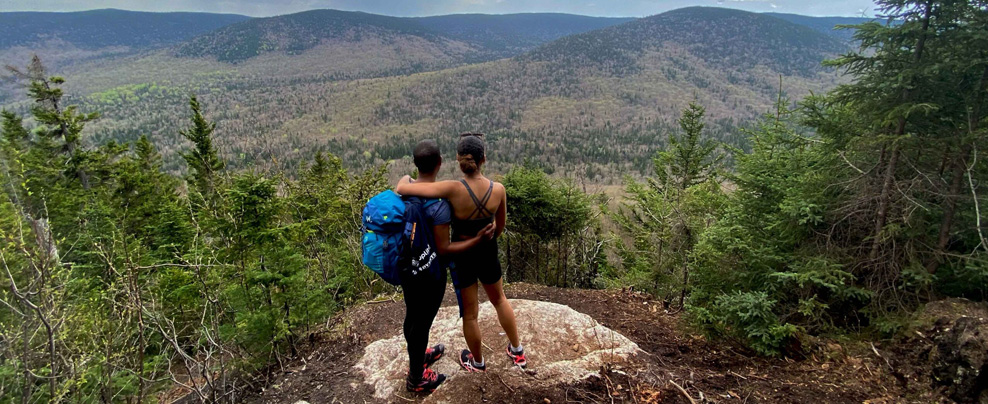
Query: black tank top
{"type": "Point", "coordinates": [480, 218]}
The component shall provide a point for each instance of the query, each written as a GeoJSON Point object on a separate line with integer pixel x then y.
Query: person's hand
{"type": "Point", "coordinates": [404, 180]}
{"type": "Point", "coordinates": [488, 232]}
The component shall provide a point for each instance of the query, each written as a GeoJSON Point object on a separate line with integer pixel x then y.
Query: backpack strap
{"type": "Point", "coordinates": [481, 203]}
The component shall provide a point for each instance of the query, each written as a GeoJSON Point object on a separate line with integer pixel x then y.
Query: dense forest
{"type": "Point", "coordinates": [839, 213]}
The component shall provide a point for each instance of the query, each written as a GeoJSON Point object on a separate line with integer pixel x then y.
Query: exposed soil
{"type": "Point", "coordinates": [706, 372]}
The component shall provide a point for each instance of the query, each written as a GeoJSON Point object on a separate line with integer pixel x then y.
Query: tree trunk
{"type": "Point", "coordinates": [883, 200]}
{"type": "Point", "coordinates": [950, 207]}
{"type": "Point", "coordinates": [889, 177]}
{"type": "Point", "coordinates": [957, 175]}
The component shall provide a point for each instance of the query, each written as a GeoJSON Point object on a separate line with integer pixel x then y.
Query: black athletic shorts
{"type": "Point", "coordinates": [479, 264]}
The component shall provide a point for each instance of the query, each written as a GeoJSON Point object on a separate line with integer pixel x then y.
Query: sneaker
{"type": "Point", "coordinates": [428, 383]}
{"type": "Point", "coordinates": [517, 357]}
{"type": "Point", "coordinates": [467, 363]}
{"type": "Point", "coordinates": [432, 355]}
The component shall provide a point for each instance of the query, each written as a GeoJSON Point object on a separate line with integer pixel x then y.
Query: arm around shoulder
{"type": "Point", "coordinates": [441, 189]}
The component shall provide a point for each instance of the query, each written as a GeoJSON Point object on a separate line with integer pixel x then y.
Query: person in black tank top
{"type": "Point", "coordinates": [482, 263]}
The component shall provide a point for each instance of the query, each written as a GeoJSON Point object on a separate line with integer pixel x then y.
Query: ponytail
{"type": "Point", "coordinates": [467, 164]}
{"type": "Point", "coordinates": [470, 153]}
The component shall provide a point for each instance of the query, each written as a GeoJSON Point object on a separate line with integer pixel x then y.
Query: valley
{"type": "Point", "coordinates": [595, 93]}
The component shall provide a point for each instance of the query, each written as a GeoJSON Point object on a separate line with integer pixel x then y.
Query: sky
{"type": "Point", "coordinates": [609, 8]}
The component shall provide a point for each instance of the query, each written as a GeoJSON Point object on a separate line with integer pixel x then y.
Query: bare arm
{"type": "Point", "coordinates": [445, 247]}
{"type": "Point", "coordinates": [441, 189]}
{"type": "Point", "coordinates": [501, 216]}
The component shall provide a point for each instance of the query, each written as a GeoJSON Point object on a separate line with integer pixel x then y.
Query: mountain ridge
{"type": "Point", "coordinates": [491, 36]}
{"type": "Point", "coordinates": [99, 28]}
{"type": "Point", "coordinates": [704, 31]}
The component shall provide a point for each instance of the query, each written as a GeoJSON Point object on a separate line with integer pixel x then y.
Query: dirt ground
{"type": "Point", "coordinates": [676, 367]}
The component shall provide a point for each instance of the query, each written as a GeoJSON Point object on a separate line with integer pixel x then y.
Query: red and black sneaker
{"type": "Point", "coordinates": [427, 383]}
{"type": "Point", "coordinates": [468, 364]}
{"type": "Point", "coordinates": [432, 355]}
{"type": "Point", "coordinates": [518, 357]}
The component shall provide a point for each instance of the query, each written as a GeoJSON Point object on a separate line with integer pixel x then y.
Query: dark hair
{"type": "Point", "coordinates": [427, 156]}
{"type": "Point", "coordinates": [470, 152]}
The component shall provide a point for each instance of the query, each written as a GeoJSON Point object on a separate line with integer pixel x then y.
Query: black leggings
{"type": "Point", "coordinates": [423, 296]}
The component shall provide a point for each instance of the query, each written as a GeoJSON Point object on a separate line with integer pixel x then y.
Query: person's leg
{"type": "Point", "coordinates": [505, 313]}
{"type": "Point", "coordinates": [416, 335]}
{"type": "Point", "coordinates": [433, 300]}
{"type": "Point", "coordinates": [471, 329]}
{"type": "Point", "coordinates": [437, 291]}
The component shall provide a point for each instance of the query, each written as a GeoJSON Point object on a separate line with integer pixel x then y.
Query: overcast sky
{"type": "Point", "coordinates": [633, 8]}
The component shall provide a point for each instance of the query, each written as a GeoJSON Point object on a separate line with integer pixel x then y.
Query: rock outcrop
{"type": "Point", "coordinates": [562, 346]}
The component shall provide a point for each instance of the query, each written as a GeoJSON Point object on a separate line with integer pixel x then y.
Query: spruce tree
{"type": "Point", "coordinates": [690, 159]}
{"type": "Point", "coordinates": [59, 126]}
{"type": "Point", "coordinates": [203, 160]}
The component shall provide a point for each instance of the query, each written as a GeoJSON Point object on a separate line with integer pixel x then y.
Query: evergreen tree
{"type": "Point", "coordinates": [203, 160]}
{"type": "Point", "coordinates": [690, 159]}
{"type": "Point", "coordinates": [60, 126]}
{"type": "Point", "coordinates": [665, 215]}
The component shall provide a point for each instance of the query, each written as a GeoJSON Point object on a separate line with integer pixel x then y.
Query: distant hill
{"type": "Point", "coordinates": [296, 33]}
{"type": "Point", "coordinates": [725, 38]}
{"type": "Point", "coordinates": [600, 103]}
{"type": "Point", "coordinates": [96, 29]}
{"type": "Point", "coordinates": [826, 25]}
{"type": "Point", "coordinates": [515, 33]}
{"type": "Point", "coordinates": [488, 36]}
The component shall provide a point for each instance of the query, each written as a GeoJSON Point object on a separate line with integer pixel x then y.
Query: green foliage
{"type": "Point", "coordinates": [555, 236]}
{"type": "Point", "coordinates": [112, 274]}
{"type": "Point", "coordinates": [203, 160]}
{"type": "Point", "coordinates": [688, 160]}
{"type": "Point", "coordinates": [747, 317]}
{"type": "Point", "coordinates": [855, 224]}
{"type": "Point", "coordinates": [663, 216]}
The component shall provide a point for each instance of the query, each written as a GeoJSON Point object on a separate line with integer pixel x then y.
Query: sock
{"type": "Point", "coordinates": [478, 364]}
{"type": "Point", "coordinates": [519, 349]}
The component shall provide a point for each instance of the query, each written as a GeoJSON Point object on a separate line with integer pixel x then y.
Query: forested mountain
{"type": "Point", "coordinates": [826, 25]}
{"type": "Point", "coordinates": [477, 36]}
{"type": "Point", "coordinates": [296, 33]}
{"type": "Point", "coordinates": [65, 39]}
{"type": "Point", "coordinates": [511, 34]}
{"type": "Point", "coordinates": [600, 100]}
{"type": "Point", "coordinates": [722, 38]}
{"type": "Point", "coordinates": [103, 28]}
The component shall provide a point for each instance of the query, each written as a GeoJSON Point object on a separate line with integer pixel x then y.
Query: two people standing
{"type": "Point", "coordinates": [468, 239]}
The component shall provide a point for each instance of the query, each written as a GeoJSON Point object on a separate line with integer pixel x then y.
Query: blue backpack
{"type": "Point", "coordinates": [398, 239]}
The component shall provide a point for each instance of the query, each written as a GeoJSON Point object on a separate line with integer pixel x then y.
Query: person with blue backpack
{"type": "Point", "coordinates": [472, 215]}
{"type": "Point", "coordinates": [407, 242]}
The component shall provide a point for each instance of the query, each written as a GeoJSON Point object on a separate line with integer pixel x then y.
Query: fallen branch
{"type": "Point", "coordinates": [505, 384]}
{"type": "Point", "coordinates": [682, 390]}
{"type": "Point", "coordinates": [875, 350]}
{"type": "Point", "coordinates": [732, 373]}
{"type": "Point", "coordinates": [403, 398]}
